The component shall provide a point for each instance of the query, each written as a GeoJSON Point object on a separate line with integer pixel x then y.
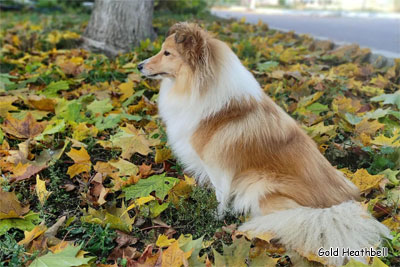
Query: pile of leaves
{"type": "Point", "coordinates": [87, 175]}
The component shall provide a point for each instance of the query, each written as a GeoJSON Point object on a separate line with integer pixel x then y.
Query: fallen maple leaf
{"type": "Point", "coordinates": [10, 207]}
{"type": "Point", "coordinates": [174, 256]}
{"type": "Point", "coordinates": [25, 171]}
{"type": "Point", "coordinates": [82, 162]}
{"type": "Point", "coordinates": [365, 181]}
{"type": "Point", "coordinates": [367, 127]}
{"type": "Point", "coordinates": [30, 235]}
{"type": "Point", "coordinates": [6, 105]}
{"type": "Point", "coordinates": [41, 190]}
{"type": "Point", "coordinates": [26, 128]}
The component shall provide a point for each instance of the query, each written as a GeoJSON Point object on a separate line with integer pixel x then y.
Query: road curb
{"type": "Point", "coordinates": [376, 58]}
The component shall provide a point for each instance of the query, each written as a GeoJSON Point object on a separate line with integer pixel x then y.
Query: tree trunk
{"type": "Point", "coordinates": [117, 25]}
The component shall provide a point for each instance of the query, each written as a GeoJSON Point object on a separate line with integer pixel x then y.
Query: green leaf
{"type": "Point", "coordinates": [109, 122]}
{"type": "Point", "coordinates": [25, 224]}
{"type": "Point", "coordinates": [100, 107]}
{"type": "Point", "coordinates": [391, 176]}
{"type": "Point", "coordinates": [65, 258]}
{"type": "Point", "coordinates": [54, 87]}
{"type": "Point", "coordinates": [156, 208]}
{"type": "Point", "coordinates": [133, 98]}
{"type": "Point", "coordinates": [5, 80]}
{"type": "Point", "coordinates": [376, 114]}
{"type": "Point", "coordinates": [116, 218]}
{"type": "Point", "coordinates": [190, 244]}
{"type": "Point", "coordinates": [158, 183]}
{"type": "Point", "coordinates": [352, 119]}
{"type": "Point", "coordinates": [267, 66]}
{"type": "Point", "coordinates": [131, 117]}
{"type": "Point", "coordinates": [1, 136]}
{"type": "Point", "coordinates": [233, 255]}
{"type": "Point", "coordinates": [69, 110]}
{"type": "Point", "coordinates": [388, 99]}
{"type": "Point", "coordinates": [57, 126]}
{"type": "Point", "coordinates": [317, 108]}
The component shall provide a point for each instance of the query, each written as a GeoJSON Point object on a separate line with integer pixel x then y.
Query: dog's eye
{"type": "Point", "coordinates": [166, 53]}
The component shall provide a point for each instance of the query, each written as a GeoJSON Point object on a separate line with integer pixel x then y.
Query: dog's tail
{"type": "Point", "coordinates": [306, 229]}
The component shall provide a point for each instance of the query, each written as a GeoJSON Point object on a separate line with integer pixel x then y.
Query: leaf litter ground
{"type": "Point", "coordinates": [87, 176]}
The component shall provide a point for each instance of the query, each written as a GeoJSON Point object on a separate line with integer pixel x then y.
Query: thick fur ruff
{"type": "Point", "coordinates": [228, 133]}
{"type": "Point", "coordinates": [307, 230]}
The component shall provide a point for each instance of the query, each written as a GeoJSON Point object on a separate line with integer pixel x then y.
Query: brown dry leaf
{"type": "Point", "coordinates": [25, 171]}
{"type": "Point", "coordinates": [123, 249]}
{"type": "Point", "coordinates": [82, 162]}
{"type": "Point", "coordinates": [104, 168]}
{"type": "Point", "coordinates": [367, 127]}
{"type": "Point", "coordinates": [98, 192]}
{"type": "Point", "coordinates": [30, 235]}
{"type": "Point", "coordinates": [145, 170]}
{"type": "Point", "coordinates": [10, 207]}
{"type": "Point", "coordinates": [26, 128]}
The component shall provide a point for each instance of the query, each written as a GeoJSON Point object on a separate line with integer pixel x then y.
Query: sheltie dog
{"type": "Point", "coordinates": [227, 132]}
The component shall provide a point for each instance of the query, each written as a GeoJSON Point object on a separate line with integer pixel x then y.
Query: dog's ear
{"type": "Point", "coordinates": [192, 43]}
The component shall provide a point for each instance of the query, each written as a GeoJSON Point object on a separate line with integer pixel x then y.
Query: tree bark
{"type": "Point", "coordinates": [116, 26]}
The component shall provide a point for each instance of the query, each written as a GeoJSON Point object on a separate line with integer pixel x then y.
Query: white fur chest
{"type": "Point", "coordinates": [181, 119]}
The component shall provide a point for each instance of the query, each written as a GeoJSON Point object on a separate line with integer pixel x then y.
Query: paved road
{"type": "Point", "coordinates": [382, 35]}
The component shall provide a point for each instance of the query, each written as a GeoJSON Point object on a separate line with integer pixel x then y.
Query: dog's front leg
{"type": "Point", "coordinates": [221, 182]}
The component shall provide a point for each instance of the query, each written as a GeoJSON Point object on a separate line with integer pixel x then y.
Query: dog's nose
{"type": "Point", "coordinates": [140, 66]}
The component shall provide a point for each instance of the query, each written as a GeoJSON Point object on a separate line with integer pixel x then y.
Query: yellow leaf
{"type": "Point", "coordinates": [131, 140]}
{"type": "Point", "coordinates": [393, 223]}
{"type": "Point", "coordinates": [143, 200]}
{"type": "Point", "coordinates": [382, 140]}
{"type": "Point", "coordinates": [70, 35]}
{"type": "Point", "coordinates": [16, 41]}
{"type": "Point", "coordinates": [174, 256]}
{"type": "Point", "coordinates": [126, 90]}
{"type": "Point", "coordinates": [180, 190]}
{"type": "Point", "coordinates": [365, 181]}
{"type": "Point", "coordinates": [41, 190]}
{"type": "Point", "coordinates": [81, 131]}
{"type": "Point", "coordinates": [82, 162]}
{"type": "Point", "coordinates": [54, 37]}
{"type": "Point", "coordinates": [163, 241]}
{"type": "Point", "coordinates": [125, 167]}
{"type": "Point", "coordinates": [30, 235]}
{"type": "Point", "coordinates": [138, 202]}
{"type": "Point", "coordinates": [6, 105]}
{"type": "Point", "coordinates": [342, 105]}
{"type": "Point", "coordinates": [162, 154]}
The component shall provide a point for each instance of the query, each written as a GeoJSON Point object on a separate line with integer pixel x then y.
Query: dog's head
{"type": "Point", "coordinates": [185, 48]}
